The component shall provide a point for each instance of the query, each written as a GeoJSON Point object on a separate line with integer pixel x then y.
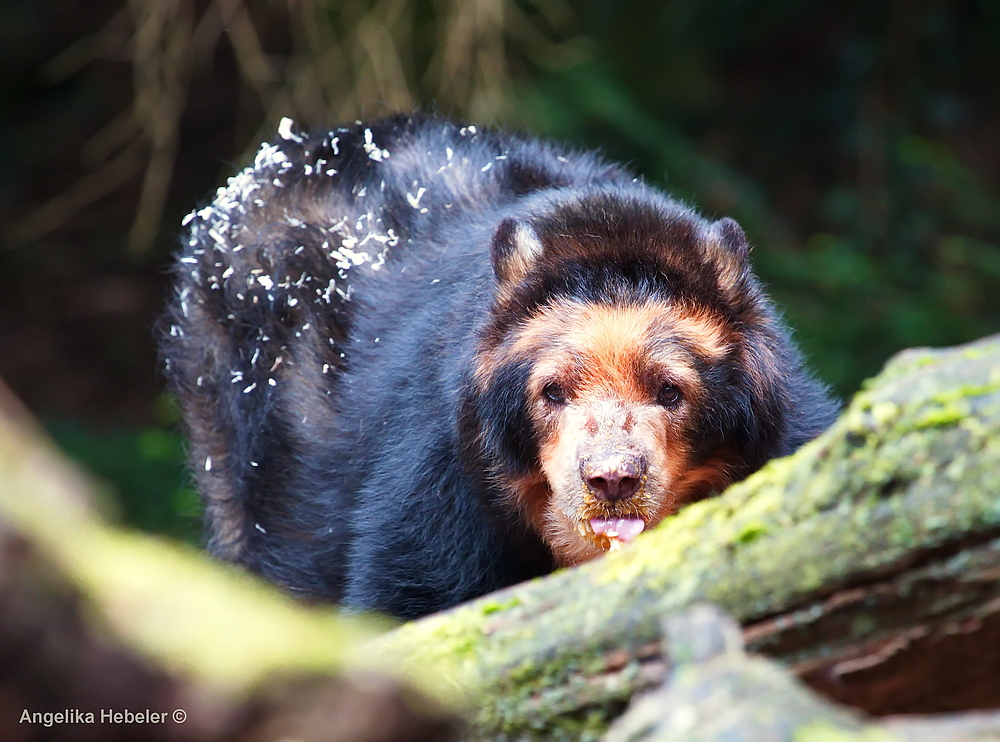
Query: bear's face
{"type": "Point", "coordinates": [612, 395]}
{"type": "Point", "coordinates": [627, 368]}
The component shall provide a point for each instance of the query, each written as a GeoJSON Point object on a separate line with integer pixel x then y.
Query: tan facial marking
{"type": "Point", "coordinates": [698, 327]}
{"type": "Point", "coordinates": [610, 360]}
{"type": "Point", "coordinates": [608, 332]}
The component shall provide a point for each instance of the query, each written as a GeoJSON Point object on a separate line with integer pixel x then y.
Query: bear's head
{"type": "Point", "coordinates": [630, 365]}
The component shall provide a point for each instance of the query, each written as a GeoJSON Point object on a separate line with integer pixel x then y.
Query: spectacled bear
{"type": "Point", "coordinates": [418, 361]}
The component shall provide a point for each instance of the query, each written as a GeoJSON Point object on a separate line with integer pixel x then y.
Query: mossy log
{"type": "Point", "coordinates": [97, 620]}
{"type": "Point", "coordinates": [869, 562]}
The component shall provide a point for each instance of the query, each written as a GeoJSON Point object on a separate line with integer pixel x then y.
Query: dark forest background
{"type": "Point", "coordinates": [858, 142]}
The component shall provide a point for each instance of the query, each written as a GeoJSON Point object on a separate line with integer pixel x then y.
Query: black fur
{"type": "Point", "coordinates": [336, 436]}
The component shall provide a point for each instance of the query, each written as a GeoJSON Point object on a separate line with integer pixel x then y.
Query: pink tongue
{"type": "Point", "coordinates": [624, 529]}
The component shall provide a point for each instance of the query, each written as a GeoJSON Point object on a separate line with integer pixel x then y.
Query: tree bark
{"type": "Point", "coordinates": [869, 562]}
{"type": "Point", "coordinates": [715, 692]}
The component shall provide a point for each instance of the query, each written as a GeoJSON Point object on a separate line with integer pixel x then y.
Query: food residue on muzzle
{"type": "Point", "coordinates": [613, 532]}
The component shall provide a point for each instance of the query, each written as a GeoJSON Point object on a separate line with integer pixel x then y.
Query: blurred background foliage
{"type": "Point", "coordinates": [856, 141]}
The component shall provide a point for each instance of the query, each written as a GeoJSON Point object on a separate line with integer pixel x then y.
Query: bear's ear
{"type": "Point", "coordinates": [514, 249]}
{"type": "Point", "coordinates": [728, 251]}
{"type": "Point", "coordinates": [732, 237]}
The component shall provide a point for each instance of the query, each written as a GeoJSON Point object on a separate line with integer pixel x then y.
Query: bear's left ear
{"type": "Point", "coordinates": [730, 235]}
{"type": "Point", "coordinates": [514, 249]}
{"type": "Point", "coordinates": [727, 249]}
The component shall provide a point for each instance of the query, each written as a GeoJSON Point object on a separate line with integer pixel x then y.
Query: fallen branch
{"type": "Point", "coordinates": [94, 619]}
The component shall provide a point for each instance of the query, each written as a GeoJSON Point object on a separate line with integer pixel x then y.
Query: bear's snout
{"type": "Point", "coordinates": [613, 476]}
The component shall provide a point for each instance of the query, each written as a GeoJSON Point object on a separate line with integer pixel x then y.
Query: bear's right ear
{"type": "Point", "coordinates": [514, 249]}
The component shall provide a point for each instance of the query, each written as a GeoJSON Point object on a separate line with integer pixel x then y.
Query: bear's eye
{"type": "Point", "coordinates": [554, 393]}
{"type": "Point", "coordinates": [669, 396]}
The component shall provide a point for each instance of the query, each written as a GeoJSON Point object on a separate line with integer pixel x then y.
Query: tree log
{"type": "Point", "coordinates": [716, 693]}
{"type": "Point", "coordinates": [95, 621]}
{"type": "Point", "coordinates": [869, 562]}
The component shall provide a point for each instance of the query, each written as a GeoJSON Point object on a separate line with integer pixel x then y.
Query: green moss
{"type": "Point", "coordinates": [826, 732]}
{"type": "Point", "coordinates": [489, 605]}
{"type": "Point", "coordinates": [950, 415]}
{"type": "Point", "coordinates": [964, 392]}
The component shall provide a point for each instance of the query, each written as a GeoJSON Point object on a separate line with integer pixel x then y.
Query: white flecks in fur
{"type": "Point", "coordinates": [285, 130]}
{"type": "Point", "coordinates": [208, 463]}
{"type": "Point", "coordinates": [373, 151]}
{"type": "Point", "coordinates": [414, 201]}
{"type": "Point", "coordinates": [220, 241]}
{"type": "Point", "coordinates": [260, 528]}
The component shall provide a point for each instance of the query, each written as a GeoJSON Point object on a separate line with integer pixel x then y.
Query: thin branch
{"type": "Point", "coordinates": [85, 191]}
{"type": "Point", "coordinates": [366, 67]}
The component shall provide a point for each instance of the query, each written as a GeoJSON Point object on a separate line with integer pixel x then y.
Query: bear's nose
{"type": "Point", "coordinates": [616, 477]}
